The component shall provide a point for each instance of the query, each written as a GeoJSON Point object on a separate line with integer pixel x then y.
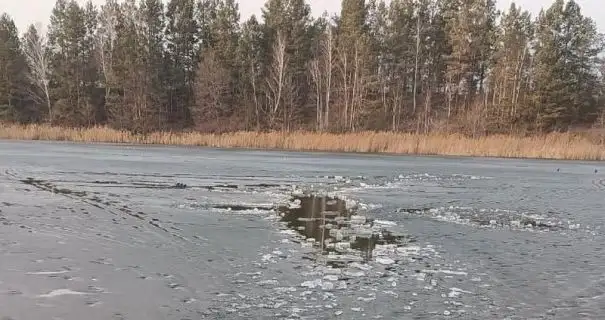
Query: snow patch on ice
{"type": "Point", "coordinates": [61, 292]}
{"type": "Point", "coordinates": [48, 272]}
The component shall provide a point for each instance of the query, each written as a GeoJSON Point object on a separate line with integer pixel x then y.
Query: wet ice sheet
{"type": "Point", "coordinates": [96, 243]}
{"type": "Point", "coordinates": [89, 252]}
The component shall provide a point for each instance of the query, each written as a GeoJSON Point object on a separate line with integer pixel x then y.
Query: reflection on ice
{"type": "Point", "coordinates": [337, 231]}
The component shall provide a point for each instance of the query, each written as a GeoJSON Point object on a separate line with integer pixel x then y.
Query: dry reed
{"type": "Point", "coordinates": [566, 146]}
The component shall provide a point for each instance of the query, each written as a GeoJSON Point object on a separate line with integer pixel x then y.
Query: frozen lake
{"type": "Point", "coordinates": [123, 232]}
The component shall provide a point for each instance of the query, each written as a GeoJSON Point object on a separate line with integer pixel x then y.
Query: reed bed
{"type": "Point", "coordinates": [564, 146]}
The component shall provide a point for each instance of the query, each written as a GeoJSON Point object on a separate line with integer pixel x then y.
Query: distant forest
{"type": "Point", "coordinates": [404, 65]}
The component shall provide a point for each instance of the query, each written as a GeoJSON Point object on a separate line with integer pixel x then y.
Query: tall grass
{"type": "Point", "coordinates": [552, 146]}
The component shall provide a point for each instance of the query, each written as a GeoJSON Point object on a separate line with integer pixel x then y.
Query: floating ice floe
{"type": "Point", "coordinates": [385, 261]}
{"type": "Point", "coordinates": [448, 272]}
{"type": "Point", "coordinates": [385, 223]}
{"type": "Point", "coordinates": [285, 289]}
{"type": "Point", "coordinates": [318, 283]}
{"type": "Point", "coordinates": [271, 282]}
{"type": "Point", "coordinates": [330, 277]}
{"type": "Point", "coordinates": [496, 218]}
{"type": "Point", "coordinates": [456, 292]}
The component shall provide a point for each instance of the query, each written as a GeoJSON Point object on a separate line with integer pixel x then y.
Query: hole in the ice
{"type": "Point", "coordinates": [335, 230]}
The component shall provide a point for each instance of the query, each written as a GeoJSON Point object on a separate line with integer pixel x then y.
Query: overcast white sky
{"type": "Point", "coordinates": [28, 11]}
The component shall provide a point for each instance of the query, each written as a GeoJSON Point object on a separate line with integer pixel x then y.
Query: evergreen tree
{"type": "Point", "coordinates": [206, 13]}
{"type": "Point", "coordinates": [71, 38]}
{"type": "Point", "coordinates": [565, 74]}
{"type": "Point", "coordinates": [250, 54]}
{"type": "Point", "coordinates": [123, 103]}
{"type": "Point", "coordinates": [217, 76]}
{"type": "Point", "coordinates": [401, 65]}
{"type": "Point", "coordinates": [471, 34]}
{"type": "Point", "coordinates": [182, 31]}
{"type": "Point", "coordinates": [224, 30]}
{"type": "Point", "coordinates": [12, 69]}
{"type": "Point", "coordinates": [153, 60]}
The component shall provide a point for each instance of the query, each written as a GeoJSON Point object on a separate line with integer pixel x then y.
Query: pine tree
{"type": "Point", "coordinates": [471, 33]}
{"type": "Point", "coordinates": [217, 76]}
{"type": "Point", "coordinates": [123, 103]}
{"type": "Point", "coordinates": [90, 68]}
{"type": "Point", "coordinates": [402, 65]}
{"type": "Point", "coordinates": [182, 31]}
{"type": "Point", "coordinates": [137, 94]}
{"type": "Point", "coordinates": [250, 54]}
{"type": "Point", "coordinates": [12, 69]}
{"type": "Point", "coordinates": [433, 71]}
{"type": "Point", "coordinates": [225, 31]}
{"type": "Point", "coordinates": [206, 15]}
{"type": "Point", "coordinates": [153, 60]}
{"type": "Point", "coordinates": [582, 55]}
{"type": "Point", "coordinates": [71, 39]}
{"type": "Point", "coordinates": [565, 78]}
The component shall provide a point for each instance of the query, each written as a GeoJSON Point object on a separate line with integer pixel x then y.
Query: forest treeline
{"type": "Point", "coordinates": [402, 65]}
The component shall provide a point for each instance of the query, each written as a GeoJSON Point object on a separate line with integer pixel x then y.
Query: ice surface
{"type": "Point", "coordinates": [107, 232]}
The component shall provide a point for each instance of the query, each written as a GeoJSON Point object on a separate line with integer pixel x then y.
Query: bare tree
{"type": "Point", "coordinates": [105, 41]}
{"type": "Point", "coordinates": [35, 50]}
{"type": "Point", "coordinates": [211, 89]}
{"type": "Point", "coordinates": [417, 56]}
{"type": "Point", "coordinates": [321, 70]}
{"type": "Point", "coordinates": [343, 66]}
{"type": "Point", "coordinates": [316, 76]}
{"type": "Point", "coordinates": [329, 61]}
{"type": "Point", "coordinates": [254, 74]}
{"type": "Point", "coordinates": [276, 81]}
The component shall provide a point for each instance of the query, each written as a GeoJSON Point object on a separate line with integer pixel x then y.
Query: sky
{"type": "Point", "coordinates": [25, 12]}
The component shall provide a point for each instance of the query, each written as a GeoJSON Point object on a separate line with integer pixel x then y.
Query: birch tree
{"type": "Point", "coordinates": [277, 81]}
{"type": "Point", "coordinates": [35, 48]}
{"type": "Point", "coordinates": [106, 38]}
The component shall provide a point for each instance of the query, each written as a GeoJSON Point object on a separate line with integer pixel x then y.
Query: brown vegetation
{"type": "Point", "coordinates": [569, 146]}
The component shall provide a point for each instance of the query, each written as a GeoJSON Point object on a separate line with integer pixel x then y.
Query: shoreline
{"type": "Point", "coordinates": [553, 146]}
